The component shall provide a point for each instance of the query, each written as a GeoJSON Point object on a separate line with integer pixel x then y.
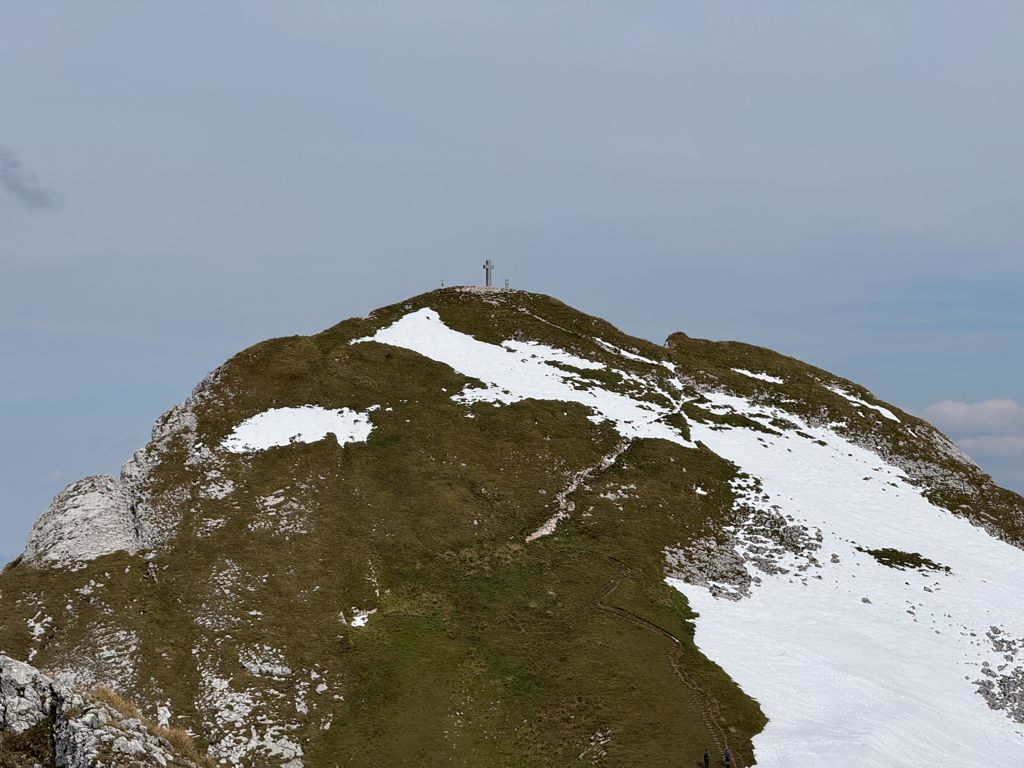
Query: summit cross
{"type": "Point", "coordinates": [488, 269]}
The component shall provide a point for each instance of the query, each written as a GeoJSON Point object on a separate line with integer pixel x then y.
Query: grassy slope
{"type": "Point", "coordinates": [484, 651]}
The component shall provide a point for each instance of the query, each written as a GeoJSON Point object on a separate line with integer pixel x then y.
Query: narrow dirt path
{"type": "Point", "coordinates": [710, 710]}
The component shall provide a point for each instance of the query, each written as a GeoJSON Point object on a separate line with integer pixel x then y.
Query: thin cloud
{"type": "Point", "coordinates": [1002, 418]}
{"type": "Point", "coordinates": [991, 431]}
{"type": "Point", "coordinates": [21, 184]}
{"type": "Point", "coordinates": [996, 446]}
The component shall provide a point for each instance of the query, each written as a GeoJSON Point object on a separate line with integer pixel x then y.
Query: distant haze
{"type": "Point", "coordinates": [178, 181]}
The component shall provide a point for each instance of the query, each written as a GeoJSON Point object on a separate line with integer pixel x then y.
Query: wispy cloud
{"type": "Point", "coordinates": [990, 418]}
{"type": "Point", "coordinates": [20, 183]}
{"type": "Point", "coordinates": [1004, 446]}
{"type": "Point", "coordinates": [991, 431]}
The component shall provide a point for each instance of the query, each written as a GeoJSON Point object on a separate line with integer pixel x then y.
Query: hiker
{"type": "Point", "coordinates": [727, 758]}
{"type": "Point", "coordinates": [707, 759]}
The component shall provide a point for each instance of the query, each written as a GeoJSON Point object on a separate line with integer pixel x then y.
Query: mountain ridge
{"type": "Point", "coordinates": [517, 451]}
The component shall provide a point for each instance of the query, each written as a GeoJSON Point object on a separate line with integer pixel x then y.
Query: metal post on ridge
{"type": "Point", "coordinates": [488, 269]}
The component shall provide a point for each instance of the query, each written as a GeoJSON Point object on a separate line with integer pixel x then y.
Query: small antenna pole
{"type": "Point", "coordinates": [488, 269]}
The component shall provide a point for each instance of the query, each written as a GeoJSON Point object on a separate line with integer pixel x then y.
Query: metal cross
{"type": "Point", "coordinates": [488, 268]}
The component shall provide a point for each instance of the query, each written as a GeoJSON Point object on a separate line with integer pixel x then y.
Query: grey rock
{"type": "Point", "coordinates": [100, 515]}
{"type": "Point", "coordinates": [84, 731]}
{"type": "Point", "coordinates": [26, 696]}
{"type": "Point", "coordinates": [90, 518]}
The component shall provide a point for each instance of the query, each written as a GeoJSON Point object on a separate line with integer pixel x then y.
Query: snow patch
{"type": "Point", "coordinates": [857, 401]}
{"type": "Point", "coordinates": [307, 424]}
{"type": "Point", "coordinates": [546, 354]}
{"type": "Point", "coordinates": [761, 376]}
{"type": "Point", "coordinates": [359, 618]}
{"type": "Point", "coordinates": [634, 356]}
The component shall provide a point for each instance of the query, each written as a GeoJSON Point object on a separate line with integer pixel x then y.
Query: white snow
{"type": "Point", "coordinates": [634, 356]}
{"type": "Point", "coordinates": [308, 424]}
{"type": "Point", "coordinates": [857, 401]}
{"type": "Point", "coordinates": [846, 681]}
{"type": "Point", "coordinates": [546, 354]}
{"type": "Point", "coordinates": [761, 376]}
{"type": "Point", "coordinates": [516, 371]}
{"type": "Point", "coordinates": [359, 618]}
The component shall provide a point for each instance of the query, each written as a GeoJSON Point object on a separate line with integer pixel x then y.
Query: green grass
{"type": "Point", "coordinates": [895, 558]}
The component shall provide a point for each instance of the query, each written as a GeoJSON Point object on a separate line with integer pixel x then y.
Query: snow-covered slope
{"type": "Point", "coordinates": [481, 527]}
{"type": "Point", "coordinates": [854, 661]}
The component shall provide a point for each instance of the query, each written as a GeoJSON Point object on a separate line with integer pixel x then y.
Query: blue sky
{"type": "Point", "coordinates": [840, 182]}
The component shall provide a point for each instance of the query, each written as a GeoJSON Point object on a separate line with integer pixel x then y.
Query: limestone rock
{"type": "Point", "coordinates": [86, 732]}
{"type": "Point", "coordinates": [26, 696]}
{"type": "Point", "coordinates": [99, 515]}
{"type": "Point", "coordinates": [90, 518]}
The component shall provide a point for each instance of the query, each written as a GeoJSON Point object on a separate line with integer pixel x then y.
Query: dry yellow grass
{"type": "Point", "coordinates": [178, 738]}
{"type": "Point", "coordinates": [113, 699]}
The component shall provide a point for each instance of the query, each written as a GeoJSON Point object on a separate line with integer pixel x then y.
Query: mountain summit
{"type": "Point", "coordinates": [481, 528]}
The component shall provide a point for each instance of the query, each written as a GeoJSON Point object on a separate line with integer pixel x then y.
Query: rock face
{"type": "Point", "coordinates": [26, 696]}
{"type": "Point", "coordinates": [86, 732]}
{"type": "Point", "coordinates": [90, 518]}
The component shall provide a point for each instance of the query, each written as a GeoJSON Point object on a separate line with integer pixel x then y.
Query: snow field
{"type": "Point", "coordinates": [844, 681]}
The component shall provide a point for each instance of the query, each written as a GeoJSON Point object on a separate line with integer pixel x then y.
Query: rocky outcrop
{"type": "Point", "coordinates": [27, 696]}
{"type": "Point", "coordinates": [90, 518]}
{"type": "Point", "coordinates": [100, 515]}
{"type": "Point", "coordinates": [86, 732]}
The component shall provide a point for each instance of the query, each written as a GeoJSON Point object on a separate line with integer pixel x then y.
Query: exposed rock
{"type": "Point", "coordinates": [26, 696]}
{"type": "Point", "coordinates": [86, 732]}
{"type": "Point", "coordinates": [90, 518]}
{"type": "Point", "coordinates": [758, 535]}
{"type": "Point", "coordinates": [100, 515]}
{"type": "Point", "coordinates": [1003, 687]}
